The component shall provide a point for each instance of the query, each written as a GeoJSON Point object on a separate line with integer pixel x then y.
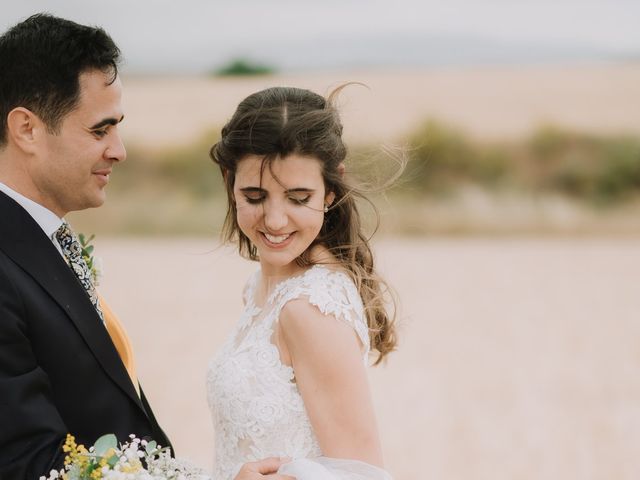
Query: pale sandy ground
{"type": "Point", "coordinates": [519, 358]}
{"type": "Point", "coordinates": [489, 102]}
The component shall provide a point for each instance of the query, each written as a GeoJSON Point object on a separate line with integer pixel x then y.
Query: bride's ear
{"type": "Point", "coordinates": [341, 169]}
{"type": "Point", "coordinates": [329, 198]}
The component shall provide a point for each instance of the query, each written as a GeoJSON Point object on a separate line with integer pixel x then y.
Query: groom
{"type": "Point", "coordinates": [66, 365]}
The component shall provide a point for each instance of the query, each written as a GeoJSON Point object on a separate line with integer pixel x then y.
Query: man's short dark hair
{"type": "Point", "coordinates": [41, 59]}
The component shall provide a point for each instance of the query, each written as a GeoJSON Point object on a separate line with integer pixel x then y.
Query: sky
{"type": "Point", "coordinates": [194, 36]}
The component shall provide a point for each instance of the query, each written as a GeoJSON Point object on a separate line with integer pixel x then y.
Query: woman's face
{"type": "Point", "coordinates": [280, 209]}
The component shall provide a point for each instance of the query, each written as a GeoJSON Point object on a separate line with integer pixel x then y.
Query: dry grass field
{"type": "Point", "coordinates": [488, 103]}
{"type": "Point", "coordinates": [519, 358]}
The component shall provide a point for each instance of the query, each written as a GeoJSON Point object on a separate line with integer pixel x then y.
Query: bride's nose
{"type": "Point", "coordinates": [275, 216]}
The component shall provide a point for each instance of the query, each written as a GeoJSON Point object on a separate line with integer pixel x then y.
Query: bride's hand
{"type": "Point", "coordinates": [263, 469]}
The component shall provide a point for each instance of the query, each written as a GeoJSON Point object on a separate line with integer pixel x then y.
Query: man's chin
{"type": "Point", "coordinates": [99, 202]}
{"type": "Point", "coordinates": [94, 201]}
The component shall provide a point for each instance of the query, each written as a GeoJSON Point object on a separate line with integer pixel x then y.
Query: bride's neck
{"type": "Point", "coordinates": [271, 275]}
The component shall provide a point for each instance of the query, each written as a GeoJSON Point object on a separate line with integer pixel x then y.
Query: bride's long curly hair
{"type": "Point", "coordinates": [281, 121]}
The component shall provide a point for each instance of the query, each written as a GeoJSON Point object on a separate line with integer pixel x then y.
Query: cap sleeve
{"type": "Point", "coordinates": [333, 293]}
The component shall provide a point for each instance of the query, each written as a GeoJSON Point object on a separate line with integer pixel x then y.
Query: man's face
{"type": "Point", "coordinates": [73, 166]}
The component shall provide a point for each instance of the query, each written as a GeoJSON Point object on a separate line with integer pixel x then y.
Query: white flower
{"type": "Point", "coordinates": [266, 410]}
{"type": "Point", "coordinates": [266, 355]}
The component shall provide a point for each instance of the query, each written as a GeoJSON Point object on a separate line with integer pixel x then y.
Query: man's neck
{"type": "Point", "coordinates": [45, 218]}
{"type": "Point", "coordinates": [20, 182]}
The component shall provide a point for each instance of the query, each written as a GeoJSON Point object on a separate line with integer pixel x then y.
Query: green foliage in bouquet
{"type": "Point", "coordinates": [134, 460]}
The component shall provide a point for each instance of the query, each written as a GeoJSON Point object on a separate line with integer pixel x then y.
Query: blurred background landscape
{"type": "Point", "coordinates": [514, 118]}
{"type": "Point", "coordinates": [512, 236]}
{"type": "Point", "coordinates": [490, 150]}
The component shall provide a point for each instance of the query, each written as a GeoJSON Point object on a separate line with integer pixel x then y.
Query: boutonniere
{"type": "Point", "coordinates": [94, 263]}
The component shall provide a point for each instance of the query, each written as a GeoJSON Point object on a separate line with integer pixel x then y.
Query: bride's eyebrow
{"type": "Point", "coordinates": [300, 190]}
{"type": "Point", "coordinates": [288, 191]}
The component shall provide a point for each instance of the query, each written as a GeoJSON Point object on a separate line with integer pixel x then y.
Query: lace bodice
{"type": "Point", "coordinates": [257, 409]}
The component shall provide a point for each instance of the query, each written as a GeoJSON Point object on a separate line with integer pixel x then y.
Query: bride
{"type": "Point", "coordinates": [291, 379]}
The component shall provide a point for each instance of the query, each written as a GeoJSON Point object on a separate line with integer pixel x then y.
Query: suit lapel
{"type": "Point", "coordinates": [22, 239]}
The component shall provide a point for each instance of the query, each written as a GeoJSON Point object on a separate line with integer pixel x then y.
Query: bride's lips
{"type": "Point", "coordinates": [284, 243]}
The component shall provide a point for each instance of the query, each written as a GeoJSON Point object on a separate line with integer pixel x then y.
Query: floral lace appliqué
{"type": "Point", "coordinates": [256, 407]}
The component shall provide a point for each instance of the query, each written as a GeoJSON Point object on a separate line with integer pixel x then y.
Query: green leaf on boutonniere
{"type": "Point", "coordinates": [84, 241]}
{"type": "Point", "coordinates": [86, 250]}
{"type": "Point", "coordinates": [104, 443]}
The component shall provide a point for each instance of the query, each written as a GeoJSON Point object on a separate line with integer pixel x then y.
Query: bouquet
{"type": "Point", "coordinates": [134, 460]}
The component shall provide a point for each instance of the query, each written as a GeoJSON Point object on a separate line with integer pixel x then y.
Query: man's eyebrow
{"type": "Point", "coordinates": [252, 190]}
{"type": "Point", "coordinates": [105, 122]}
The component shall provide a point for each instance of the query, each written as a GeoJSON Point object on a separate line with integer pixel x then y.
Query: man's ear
{"type": "Point", "coordinates": [23, 128]}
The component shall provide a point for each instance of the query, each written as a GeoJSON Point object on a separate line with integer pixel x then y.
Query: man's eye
{"type": "Point", "coordinates": [99, 133]}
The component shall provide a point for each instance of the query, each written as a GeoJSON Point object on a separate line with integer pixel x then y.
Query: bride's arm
{"type": "Point", "coordinates": [326, 355]}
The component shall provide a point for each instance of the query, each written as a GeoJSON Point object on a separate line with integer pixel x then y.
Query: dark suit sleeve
{"type": "Point", "coordinates": [31, 429]}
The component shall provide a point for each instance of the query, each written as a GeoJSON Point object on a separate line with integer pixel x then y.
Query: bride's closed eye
{"type": "Point", "coordinates": [300, 199]}
{"type": "Point", "coordinates": [255, 198]}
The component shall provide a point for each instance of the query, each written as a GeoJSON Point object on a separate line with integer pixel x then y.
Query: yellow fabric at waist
{"type": "Point", "coordinates": [121, 341]}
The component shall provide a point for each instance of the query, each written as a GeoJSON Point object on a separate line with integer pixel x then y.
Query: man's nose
{"type": "Point", "coordinates": [115, 150]}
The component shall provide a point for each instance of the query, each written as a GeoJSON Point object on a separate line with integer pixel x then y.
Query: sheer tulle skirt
{"type": "Point", "coordinates": [325, 468]}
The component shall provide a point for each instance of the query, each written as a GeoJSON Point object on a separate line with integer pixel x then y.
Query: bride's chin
{"type": "Point", "coordinates": [319, 253]}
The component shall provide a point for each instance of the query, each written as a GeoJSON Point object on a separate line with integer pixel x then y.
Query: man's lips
{"type": "Point", "coordinates": [102, 175]}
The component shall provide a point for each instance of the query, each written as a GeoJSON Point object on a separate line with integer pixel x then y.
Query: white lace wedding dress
{"type": "Point", "coordinates": [256, 406]}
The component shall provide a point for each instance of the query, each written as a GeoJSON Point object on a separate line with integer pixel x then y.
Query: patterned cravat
{"type": "Point", "coordinates": [73, 253]}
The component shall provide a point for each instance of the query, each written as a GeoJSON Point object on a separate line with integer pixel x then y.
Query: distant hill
{"type": "Point", "coordinates": [380, 51]}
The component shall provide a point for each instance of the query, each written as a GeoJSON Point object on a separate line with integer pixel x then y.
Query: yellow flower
{"type": "Point", "coordinates": [133, 466]}
{"type": "Point", "coordinates": [76, 454]}
{"type": "Point", "coordinates": [69, 444]}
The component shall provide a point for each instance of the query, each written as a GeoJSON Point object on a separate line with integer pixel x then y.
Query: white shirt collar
{"type": "Point", "coordinates": [48, 221]}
